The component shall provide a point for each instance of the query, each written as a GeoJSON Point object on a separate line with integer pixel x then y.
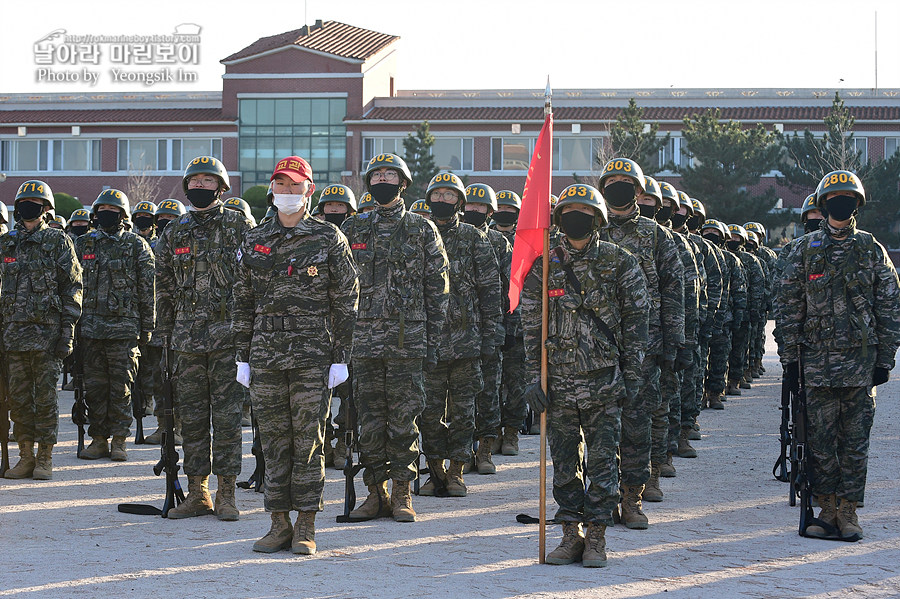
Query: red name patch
{"type": "Point", "coordinates": [185, 250]}
{"type": "Point", "coordinates": [261, 248]}
{"type": "Point", "coordinates": [9, 260]}
{"type": "Point", "coordinates": [556, 292]}
{"type": "Point", "coordinates": [358, 246]}
{"type": "Point", "coordinates": [88, 256]}
{"type": "Point", "coordinates": [814, 277]}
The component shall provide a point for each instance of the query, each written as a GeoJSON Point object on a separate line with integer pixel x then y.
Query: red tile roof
{"type": "Point", "coordinates": [332, 37]}
{"type": "Point", "coordinates": [600, 113]}
{"type": "Point", "coordinates": [112, 115]}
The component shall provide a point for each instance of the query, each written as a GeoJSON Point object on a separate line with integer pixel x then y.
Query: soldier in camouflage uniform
{"type": "Point", "coordinates": [755, 343]}
{"type": "Point", "coordinates": [118, 314]}
{"type": "Point", "coordinates": [421, 208]}
{"type": "Point", "coordinates": [621, 183]}
{"type": "Point", "coordinates": [404, 291]}
{"type": "Point", "coordinates": [79, 223]}
{"type": "Point", "coordinates": [472, 333]}
{"type": "Point", "coordinates": [596, 342]}
{"type": "Point", "coordinates": [295, 273]}
{"type": "Point", "coordinates": [768, 257]}
{"type": "Point", "coordinates": [144, 217]}
{"type": "Point", "coordinates": [195, 274]}
{"type": "Point", "coordinates": [481, 204]}
{"type": "Point", "coordinates": [840, 316]}
{"type": "Point", "coordinates": [513, 408]}
{"type": "Point", "coordinates": [755, 278]}
{"type": "Point", "coordinates": [40, 303]}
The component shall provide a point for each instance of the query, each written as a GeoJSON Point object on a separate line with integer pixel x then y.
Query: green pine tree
{"type": "Point", "coordinates": [417, 149]}
{"type": "Point", "coordinates": [632, 137]}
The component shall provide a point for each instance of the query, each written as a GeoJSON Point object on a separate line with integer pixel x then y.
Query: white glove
{"type": "Point", "coordinates": [243, 373]}
{"type": "Point", "coordinates": [337, 374]}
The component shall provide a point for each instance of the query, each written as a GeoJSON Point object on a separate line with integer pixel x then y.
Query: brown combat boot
{"type": "Point", "coordinates": [117, 451]}
{"type": "Point", "coordinates": [594, 555]}
{"type": "Point", "coordinates": [278, 537]}
{"type": "Point", "coordinates": [632, 515]}
{"type": "Point", "coordinates": [497, 442]}
{"type": "Point", "coordinates": [745, 380]}
{"type": "Point", "coordinates": [198, 502]}
{"type": "Point", "coordinates": [694, 432]}
{"type": "Point", "coordinates": [25, 467]}
{"type": "Point", "coordinates": [43, 468]}
{"type": "Point", "coordinates": [483, 462]}
{"type": "Point", "coordinates": [436, 467]}
{"type": "Point", "coordinates": [652, 491]}
{"type": "Point", "coordinates": [847, 520]}
{"type": "Point", "coordinates": [99, 448]}
{"type": "Point", "coordinates": [455, 485]}
{"type": "Point", "coordinates": [401, 502]}
{"type": "Point", "coordinates": [570, 548]}
{"type": "Point", "coordinates": [376, 505]}
{"type": "Point", "coordinates": [340, 453]}
{"type": "Point", "coordinates": [510, 442]}
{"type": "Point", "coordinates": [828, 514]}
{"type": "Point", "coordinates": [715, 401]}
{"type": "Point", "coordinates": [667, 468]}
{"type": "Point", "coordinates": [733, 387]}
{"type": "Point", "coordinates": [226, 508]}
{"type": "Point", "coordinates": [684, 446]}
{"type": "Point", "coordinates": [303, 541]}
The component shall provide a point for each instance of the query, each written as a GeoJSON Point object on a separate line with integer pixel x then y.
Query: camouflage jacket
{"type": "Point", "coordinates": [713, 268]}
{"type": "Point", "coordinates": [737, 289]}
{"type": "Point", "coordinates": [657, 254]}
{"type": "Point", "coordinates": [613, 289]}
{"type": "Point", "coordinates": [404, 284]}
{"type": "Point", "coordinates": [474, 323]}
{"type": "Point", "coordinates": [512, 321]}
{"type": "Point", "coordinates": [503, 254]}
{"type": "Point", "coordinates": [40, 288]}
{"type": "Point", "coordinates": [296, 296]}
{"type": "Point", "coordinates": [692, 289]}
{"type": "Point", "coordinates": [755, 276]}
{"type": "Point", "coordinates": [196, 268]}
{"type": "Point", "coordinates": [119, 273]}
{"type": "Point", "coordinates": [768, 257]}
{"type": "Point", "coordinates": [840, 302]}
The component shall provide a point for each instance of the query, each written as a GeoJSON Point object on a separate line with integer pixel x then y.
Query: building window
{"type": "Point", "coordinates": [165, 154]}
{"type": "Point", "coordinates": [50, 155]}
{"type": "Point", "coordinates": [373, 146]}
{"type": "Point", "coordinates": [675, 152]}
{"type": "Point", "coordinates": [576, 153]}
{"type": "Point", "coordinates": [453, 153]}
{"type": "Point", "coordinates": [891, 145]}
{"type": "Point", "coordinates": [861, 145]}
{"type": "Point", "coordinates": [511, 153]}
{"type": "Point", "coordinates": [312, 128]}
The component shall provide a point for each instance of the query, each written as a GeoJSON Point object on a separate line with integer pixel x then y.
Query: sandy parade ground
{"type": "Point", "coordinates": [725, 529]}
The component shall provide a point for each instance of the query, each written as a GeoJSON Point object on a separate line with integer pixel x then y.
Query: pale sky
{"type": "Point", "coordinates": [477, 44]}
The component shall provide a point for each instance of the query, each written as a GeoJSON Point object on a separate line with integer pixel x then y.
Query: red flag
{"type": "Point", "coordinates": [534, 217]}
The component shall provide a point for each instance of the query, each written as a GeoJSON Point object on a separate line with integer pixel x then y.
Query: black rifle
{"type": "Point", "coordinates": [350, 470]}
{"type": "Point", "coordinates": [780, 471]}
{"type": "Point", "coordinates": [257, 480]}
{"type": "Point", "coordinates": [168, 461]}
{"type": "Point", "coordinates": [137, 407]}
{"type": "Point", "coordinates": [79, 408]}
{"type": "Point", "coordinates": [4, 422]}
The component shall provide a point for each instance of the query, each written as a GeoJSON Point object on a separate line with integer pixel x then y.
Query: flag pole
{"type": "Point", "coordinates": [545, 262]}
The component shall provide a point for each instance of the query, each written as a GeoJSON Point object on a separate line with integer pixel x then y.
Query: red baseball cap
{"type": "Point", "coordinates": [294, 167]}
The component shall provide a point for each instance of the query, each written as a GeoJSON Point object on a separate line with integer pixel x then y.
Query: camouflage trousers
{"type": "Point", "coordinates": [584, 416]}
{"type": "Point", "coordinates": [737, 359]}
{"type": "Point", "coordinates": [635, 441]}
{"type": "Point", "coordinates": [512, 387]}
{"type": "Point", "coordinates": [840, 420]}
{"type": "Point", "coordinates": [207, 393]}
{"type": "Point", "coordinates": [659, 424]}
{"type": "Point", "coordinates": [448, 420]}
{"type": "Point", "coordinates": [487, 402]}
{"type": "Point", "coordinates": [33, 403]}
{"type": "Point", "coordinates": [670, 385]}
{"type": "Point", "coordinates": [110, 366]}
{"type": "Point", "coordinates": [757, 339]}
{"type": "Point", "coordinates": [291, 407]}
{"type": "Point", "coordinates": [690, 401]}
{"type": "Point", "coordinates": [701, 372]}
{"type": "Point", "coordinates": [149, 377]}
{"type": "Point", "coordinates": [719, 350]}
{"type": "Point", "coordinates": [389, 395]}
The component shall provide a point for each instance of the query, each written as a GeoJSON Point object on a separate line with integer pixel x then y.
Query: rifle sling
{"type": "Point", "coordinates": [576, 285]}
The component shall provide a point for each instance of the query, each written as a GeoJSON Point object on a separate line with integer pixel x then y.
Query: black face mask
{"type": "Point", "coordinates": [28, 210]}
{"type": "Point", "coordinates": [619, 194]}
{"type": "Point", "coordinates": [384, 193]}
{"type": "Point", "coordinates": [678, 220]}
{"type": "Point", "coordinates": [576, 225]}
{"type": "Point", "coordinates": [161, 224]}
{"type": "Point", "coordinates": [841, 207]}
{"type": "Point", "coordinates": [647, 211]}
{"type": "Point", "coordinates": [812, 224]}
{"type": "Point", "coordinates": [505, 219]}
{"type": "Point", "coordinates": [143, 222]}
{"type": "Point", "coordinates": [664, 214]}
{"type": "Point", "coordinates": [442, 210]}
{"type": "Point", "coordinates": [108, 219]}
{"type": "Point", "coordinates": [733, 245]}
{"type": "Point", "coordinates": [78, 230]}
{"type": "Point", "coordinates": [476, 219]}
{"type": "Point", "coordinates": [694, 222]}
{"type": "Point", "coordinates": [201, 198]}
{"type": "Point", "coordinates": [713, 239]}
{"type": "Point", "coordinates": [335, 218]}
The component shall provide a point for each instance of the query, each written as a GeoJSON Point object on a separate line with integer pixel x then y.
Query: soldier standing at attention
{"type": "Point", "coordinates": [404, 290]}
{"type": "Point", "coordinates": [839, 317]}
{"type": "Point", "coordinates": [295, 275]}
{"type": "Point", "coordinates": [118, 314]}
{"type": "Point", "coordinates": [597, 336]}
{"type": "Point", "coordinates": [195, 274]}
{"type": "Point", "coordinates": [40, 304]}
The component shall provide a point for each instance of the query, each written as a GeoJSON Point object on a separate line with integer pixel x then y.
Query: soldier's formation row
{"type": "Point", "coordinates": [654, 312]}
